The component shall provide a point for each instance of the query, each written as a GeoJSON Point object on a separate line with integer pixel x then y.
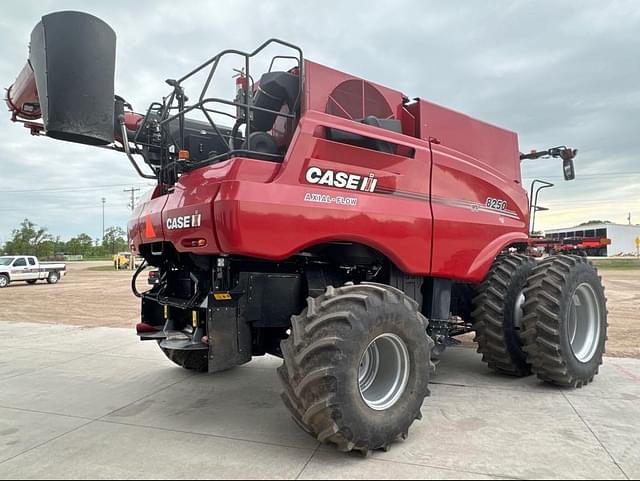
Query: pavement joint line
{"type": "Point", "coordinates": [308, 461]}
{"type": "Point", "coordinates": [596, 437]}
{"type": "Point", "coordinates": [627, 373]}
{"type": "Point", "coordinates": [123, 356]}
{"type": "Point", "coordinates": [141, 358]}
{"type": "Point", "coordinates": [89, 421]}
{"type": "Point", "coordinates": [112, 348]}
{"type": "Point", "coordinates": [157, 391]}
{"type": "Point", "coordinates": [35, 370]}
{"type": "Point", "coordinates": [48, 413]}
{"type": "Point", "coordinates": [523, 389]}
{"type": "Point", "coordinates": [206, 435]}
{"type": "Point", "coordinates": [445, 468]}
{"type": "Point", "coordinates": [55, 438]}
{"type": "Point", "coordinates": [258, 367]}
{"type": "Point", "coordinates": [603, 397]}
{"type": "Point", "coordinates": [101, 354]}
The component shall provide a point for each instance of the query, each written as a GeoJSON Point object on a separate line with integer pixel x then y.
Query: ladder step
{"type": "Point", "coordinates": [183, 345]}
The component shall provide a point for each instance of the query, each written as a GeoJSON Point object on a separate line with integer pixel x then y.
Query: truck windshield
{"type": "Point", "coordinates": [5, 261]}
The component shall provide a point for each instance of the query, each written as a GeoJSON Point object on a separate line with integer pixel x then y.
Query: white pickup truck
{"type": "Point", "coordinates": [28, 269]}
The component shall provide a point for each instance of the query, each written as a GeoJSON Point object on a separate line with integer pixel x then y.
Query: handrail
{"type": "Point", "coordinates": [160, 115]}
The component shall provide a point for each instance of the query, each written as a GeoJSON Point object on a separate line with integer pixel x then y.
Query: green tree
{"type": "Point", "coordinates": [28, 239]}
{"type": "Point", "coordinates": [82, 244]}
{"type": "Point", "coordinates": [114, 240]}
{"type": "Point", "coordinates": [47, 250]}
{"type": "Point", "coordinates": [591, 222]}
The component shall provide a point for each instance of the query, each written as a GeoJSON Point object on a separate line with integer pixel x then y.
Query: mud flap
{"type": "Point", "coordinates": [229, 336]}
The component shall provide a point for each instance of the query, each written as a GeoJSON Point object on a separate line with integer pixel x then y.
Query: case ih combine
{"type": "Point", "coordinates": [332, 222]}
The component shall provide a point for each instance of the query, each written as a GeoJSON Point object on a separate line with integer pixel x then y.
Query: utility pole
{"type": "Point", "coordinates": [133, 191]}
{"type": "Point", "coordinates": [132, 205]}
{"type": "Point", "coordinates": [104, 201]}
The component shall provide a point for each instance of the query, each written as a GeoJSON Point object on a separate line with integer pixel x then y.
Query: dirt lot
{"type": "Point", "coordinates": [88, 297]}
{"type": "Point", "coordinates": [84, 297]}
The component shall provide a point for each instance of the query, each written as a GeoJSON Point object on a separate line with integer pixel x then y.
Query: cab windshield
{"type": "Point", "coordinates": [5, 261]}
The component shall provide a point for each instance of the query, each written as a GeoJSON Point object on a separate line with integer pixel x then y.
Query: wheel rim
{"type": "Point", "coordinates": [583, 326]}
{"type": "Point", "coordinates": [3, 281]}
{"type": "Point", "coordinates": [54, 278]}
{"type": "Point", "coordinates": [384, 372]}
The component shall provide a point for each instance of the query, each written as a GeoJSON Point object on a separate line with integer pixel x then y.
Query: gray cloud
{"type": "Point", "coordinates": [557, 72]}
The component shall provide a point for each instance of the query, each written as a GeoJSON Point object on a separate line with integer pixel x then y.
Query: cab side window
{"type": "Point", "coordinates": [32, 261]}
{"type": "Point", "coordinates": [20, 262]}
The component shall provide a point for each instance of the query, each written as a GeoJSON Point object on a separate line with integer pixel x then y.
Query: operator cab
{"type": "Point", "coordinates": [263, 116]}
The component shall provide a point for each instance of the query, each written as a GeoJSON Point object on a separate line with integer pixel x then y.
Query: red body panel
{"type": "Point", "coordinates": [472, 162]}
{"type": "Point", "coordinates": [430, 211]}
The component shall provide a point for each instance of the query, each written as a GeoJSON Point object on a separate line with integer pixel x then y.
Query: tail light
{"type": "Point", "coordinates": [154, 278]}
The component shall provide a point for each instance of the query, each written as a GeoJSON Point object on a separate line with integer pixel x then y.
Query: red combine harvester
{"type": "Point", "coordinates": [334, 223]}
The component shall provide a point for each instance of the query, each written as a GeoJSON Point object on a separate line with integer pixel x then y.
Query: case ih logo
{"type": "Point", "coordinates": [184, 222]}
{"type": "Point", "coordinates": [341, 180]}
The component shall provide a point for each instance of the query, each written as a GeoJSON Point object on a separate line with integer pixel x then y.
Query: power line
{"type": "Point", "coordinates": [586, 176]}
{"type": "Point", "coordinates": [76, 189]}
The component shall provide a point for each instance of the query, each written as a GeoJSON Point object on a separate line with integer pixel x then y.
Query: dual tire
{"type": "Point", "coordinates": [498, 315]}
{"type": "Point", "coordinates": [565, 321]}
{"type": "Point", "coordinates": [548, 318]}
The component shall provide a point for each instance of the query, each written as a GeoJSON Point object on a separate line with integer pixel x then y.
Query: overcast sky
{"type": "Point", "coordinates": [556, 72]}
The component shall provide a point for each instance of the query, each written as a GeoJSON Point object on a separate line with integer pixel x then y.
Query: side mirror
{"type": "Point", "coordinates": [569, 169]}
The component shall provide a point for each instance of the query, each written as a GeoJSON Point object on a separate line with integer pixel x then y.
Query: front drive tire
{"type": "Point", "coordinates": [356, 366]}
{"type": "Point", "coordinates": [4, 281]}
{"type": "Point", "coordinates": [565, 321]}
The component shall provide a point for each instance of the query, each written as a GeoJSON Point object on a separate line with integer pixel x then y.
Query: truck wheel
{"type": "Point", "coordinates": [356, 366]}
{"type": "Point", "coordinates": [498, 314]}
{"type": "Point", "coordinates": [32, 281]}
{"type": "Point", "coordinates": [565, 321]}
{"type": "Point", "coordinates": [53, 278]}
{"type": "Point", "coordinates": [4, 280]}
{"type": "Point", "coordinates": [190, 360]}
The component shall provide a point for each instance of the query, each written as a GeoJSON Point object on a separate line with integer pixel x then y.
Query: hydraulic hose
{"type": "Point", "coordinates": [135, 278]}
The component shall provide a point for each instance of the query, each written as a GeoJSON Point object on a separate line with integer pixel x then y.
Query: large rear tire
{"type": "Point", "coordinates": [565, 321]}
{"type": "Point", "coordinates": [356, 366]}
{"type": "Point", "coordinates": [190, 360]}
{"type": "Point", "coordinates": [498, 314]}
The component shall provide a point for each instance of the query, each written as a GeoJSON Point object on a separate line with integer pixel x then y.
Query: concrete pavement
{"type": "Point", "coordinates": [96, 403]}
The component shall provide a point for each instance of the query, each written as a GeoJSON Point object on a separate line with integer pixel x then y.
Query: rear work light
{"type": "Point", "coordinates": [198, 242]}
{"type": "Point", "coordinates": [154, 278]}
